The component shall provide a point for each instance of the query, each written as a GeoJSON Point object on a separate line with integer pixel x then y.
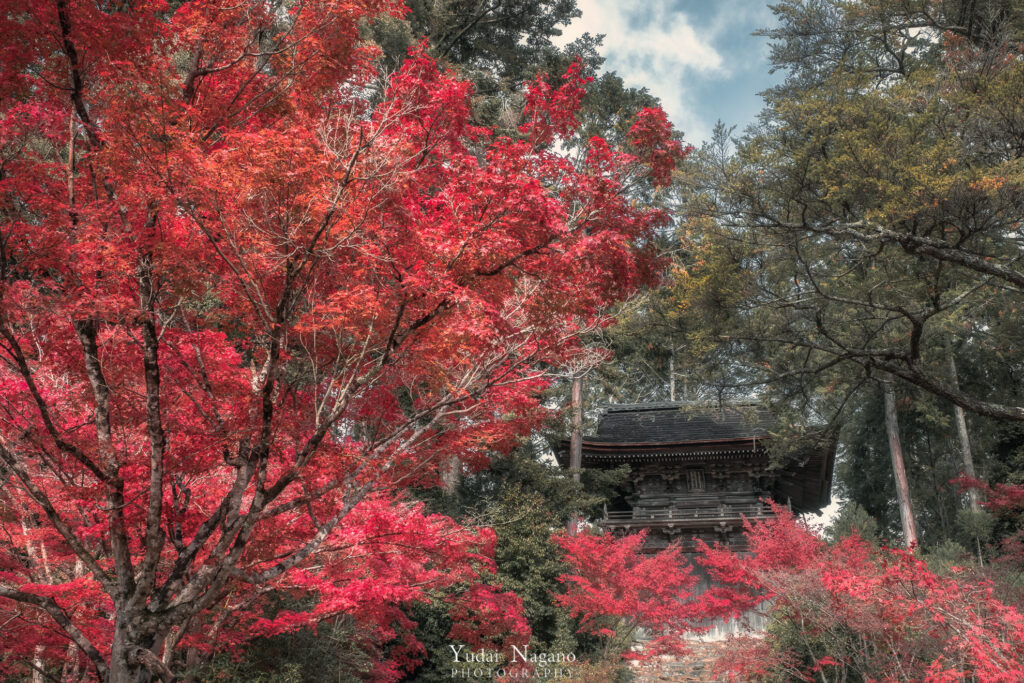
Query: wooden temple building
{"type": "Point", "coordinates": [696, 471]}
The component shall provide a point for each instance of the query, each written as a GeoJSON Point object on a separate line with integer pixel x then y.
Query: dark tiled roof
{"type": "Point", "coordinates": [677, 423]}
{"type": "Point", "coordinates": [676, 434]}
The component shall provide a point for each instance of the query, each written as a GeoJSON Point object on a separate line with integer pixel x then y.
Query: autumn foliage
{"type": "Point", "coordinates": [851, 611]}
{"type": "Point", "coordinates": [249, 293]}
{"type": "Point", "coordinates": [615, 589]}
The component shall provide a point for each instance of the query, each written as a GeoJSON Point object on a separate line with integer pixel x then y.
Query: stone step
{"type": "Point", "coordinates": [695, 667]}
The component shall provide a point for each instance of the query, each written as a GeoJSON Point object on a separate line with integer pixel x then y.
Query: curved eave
{"type": "Point", "coordinates": [808, 485]}
{"type": "Point", "coordinates": [747, 442]}
{"type": "Point", "coordinates": [605, 453]}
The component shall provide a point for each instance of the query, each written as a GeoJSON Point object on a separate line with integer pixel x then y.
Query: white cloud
{"type": "Point", "coordinates": [660, 56]}
{"type": "Point", "coordinates": [728, 14]}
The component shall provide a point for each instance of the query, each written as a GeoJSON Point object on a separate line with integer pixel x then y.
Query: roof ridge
{"type": "Point", "coordinates": [673, 405]}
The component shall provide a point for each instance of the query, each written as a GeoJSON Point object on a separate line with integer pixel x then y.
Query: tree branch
{"type": "Point", "coordinates": [60, 616]}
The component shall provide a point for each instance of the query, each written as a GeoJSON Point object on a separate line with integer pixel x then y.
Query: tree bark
{"type": "Point", "coordinates": [672, 377]}
{"type": "Point", "coordinates": [450, 471]}
{"type": "Point", "coordinates": [965, 446]}
{"type": "Point", "coordinates": [962, 434]}
{"type": "Point", "coordinates": [121, 671]}
{"type": "Point", "coordinates": [576, 441]}
{"type": "Point", "coordinates": [899, 472]}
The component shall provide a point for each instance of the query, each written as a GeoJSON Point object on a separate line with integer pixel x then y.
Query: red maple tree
{"type": "Point", "coordinates": [852, 610]}
{"type": "Point", "coordinates": [248, 294]}
{"type": "Point", "coordinates": [616, 589]}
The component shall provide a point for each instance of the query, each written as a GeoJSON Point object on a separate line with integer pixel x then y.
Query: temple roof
{"type": "Point", "coordinates": [690, 435]}
{"type": "Point", "coordinates": [680, 423]}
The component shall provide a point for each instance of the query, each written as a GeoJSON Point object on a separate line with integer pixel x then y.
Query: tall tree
{"type": "Point", "coordinates": [899, 471]}
{"type": "Point", "coordinates": [879, 196]}
{"type": "Point", "coordinates": [500, 47]}
{"type": "Point", "coordinates": [245, 302]}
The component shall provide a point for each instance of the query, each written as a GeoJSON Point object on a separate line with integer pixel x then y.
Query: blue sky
{"type": "Point", "coordinates": [697, 56]}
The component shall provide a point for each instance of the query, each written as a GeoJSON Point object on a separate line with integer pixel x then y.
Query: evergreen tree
{"type": "Point", "coordinates": [865, 229]}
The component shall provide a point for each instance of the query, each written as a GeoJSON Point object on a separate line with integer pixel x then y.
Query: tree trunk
{"type": "Point", "coordinates": [39, 559]}
{"type": "Point", "coordinates": [71, 671]}
{"type": "Point", "coordinates": [450, 474]}
{"type": "Point", "coordinates": [962, 434]}
{"type": "Point", "coordinates": [131, 656]}
{"type": "Point", "coordinates": [672, 377]}
{"type": "Point", "coordinates": [38, 666]}
{"type": "Point", "coordinates": [899, 472]}
{"type": "Point", "coordinates": [120, 670]}
{"type": "Point", "coordinates": [576, 440]}
{"type": "Point", "coordinates": [965, 446]}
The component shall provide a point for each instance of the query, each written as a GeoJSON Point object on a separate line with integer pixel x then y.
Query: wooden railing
{"type": "Point", "coordinates": [721, 512]}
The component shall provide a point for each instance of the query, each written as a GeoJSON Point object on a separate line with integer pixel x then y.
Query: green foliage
{"type": "Point", "coordinates": [867, 227]}
{"type": "Point", "coordinates": [498, 41]}
{"type": "Point", "coordinates": [795, 650]}
{"type": "Point", "coordinates": [528, 563]}
{"type": "Point", "coordinates": [975, 525]}
{"type": "Point", "coordinates": [610, 107]}
{"type": "Point", "coordinates": [874, 205]}
{"type": "Point", "coordinates": [852, 519]}
{"type": "Point", "coordinates": [524, 500]}
{"type": "Point", "coordinates": [433, 624]}
{"type": "Point", "coordinates": [864, 473]}
{"type": "Point", "coordinates": [945, 556]}
{"type": "Point", "coordinates": [1007, 454]}
{"type": "Point", "coordinates": [330, 653]}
